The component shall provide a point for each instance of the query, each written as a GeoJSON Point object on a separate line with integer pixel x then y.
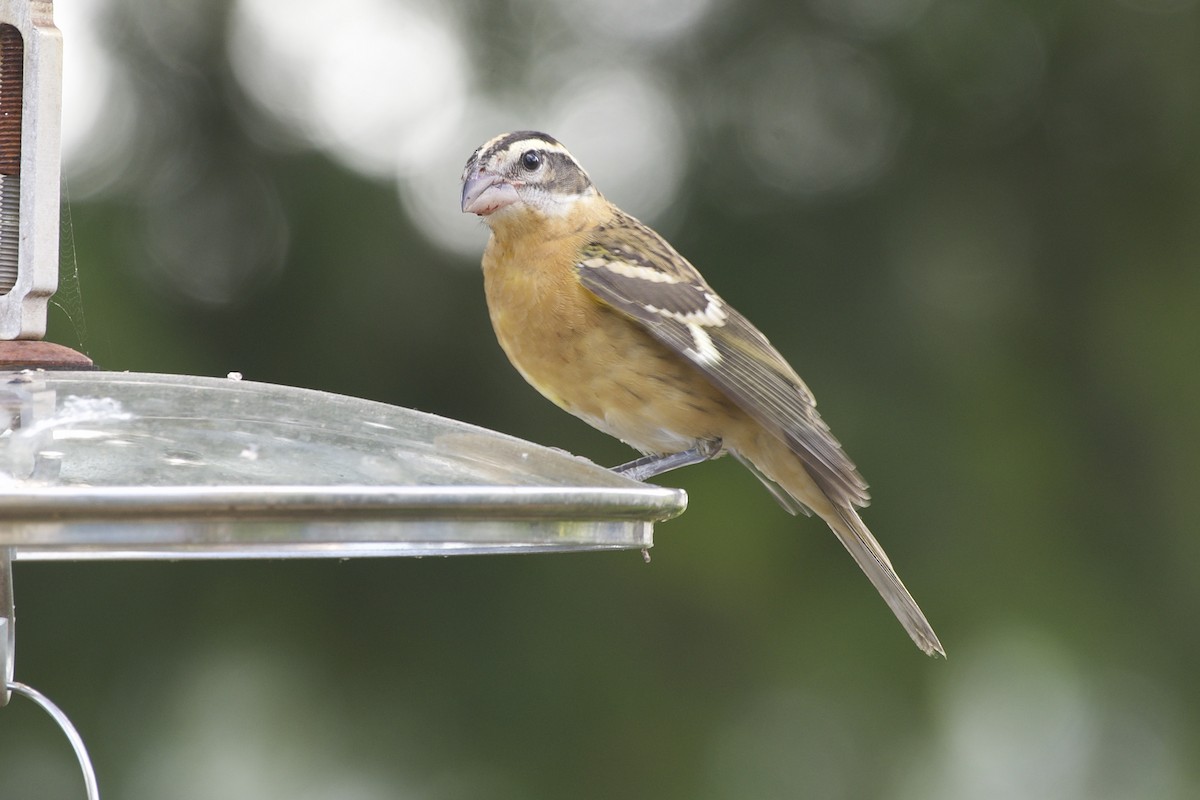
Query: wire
{"type": "Point", "coordinates": [85, 763]}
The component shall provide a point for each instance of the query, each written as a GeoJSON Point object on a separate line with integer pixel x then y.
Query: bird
{"type": "Point", "coordinates": [603, 317]}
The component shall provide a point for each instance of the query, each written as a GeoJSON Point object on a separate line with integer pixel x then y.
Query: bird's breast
{"type": "Point", "coordinates": [590, 359]}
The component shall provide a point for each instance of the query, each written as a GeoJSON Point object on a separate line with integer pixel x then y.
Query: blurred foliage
{"type": "Point", "coordinates": [973, 227]}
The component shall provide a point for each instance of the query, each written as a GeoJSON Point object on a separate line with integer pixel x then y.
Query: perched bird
{"type": "Point", "coordinates": [603, 317]}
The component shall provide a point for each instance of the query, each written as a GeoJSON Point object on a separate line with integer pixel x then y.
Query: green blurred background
{"type": "Point", "coordinates": [972, 225]}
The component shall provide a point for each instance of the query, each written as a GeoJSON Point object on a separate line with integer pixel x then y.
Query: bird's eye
{"type": "Point", "coordinates": [531, 160]}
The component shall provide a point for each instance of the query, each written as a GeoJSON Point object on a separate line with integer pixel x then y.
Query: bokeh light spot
{"type": "Point", "coordinates": [1020, 719]}
{"type": "Point", "coordinates": [637, 158]}
{"type": "Point", "coordinates": [213, 236]}
{"type": "Point", "coordinates": [371, 90]}
{"type": "Point", "coordinates": [98, 107]}
{"type": "Point", "coordinates": [637, 20]}
{"type": "Point", "coordinates": [815, 115]}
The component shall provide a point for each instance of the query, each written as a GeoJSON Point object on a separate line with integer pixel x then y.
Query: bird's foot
{"type": "Point", "coordinates": [648, 466]}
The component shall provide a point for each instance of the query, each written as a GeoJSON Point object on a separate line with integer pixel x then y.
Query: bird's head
{"type": "Point", "coordinates": [523, 172]}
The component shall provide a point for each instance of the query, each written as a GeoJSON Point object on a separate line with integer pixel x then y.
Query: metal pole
{"type": "Point", "coordinates": [7, 623]}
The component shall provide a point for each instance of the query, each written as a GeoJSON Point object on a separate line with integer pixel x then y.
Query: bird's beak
{"type": "Point", "coordinates": [485, 192]}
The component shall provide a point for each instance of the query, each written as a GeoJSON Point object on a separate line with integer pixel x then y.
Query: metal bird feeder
{"type": "Point", "coordinates": [107, 465]}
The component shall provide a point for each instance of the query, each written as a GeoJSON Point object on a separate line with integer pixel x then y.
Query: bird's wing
{"type": "Point", "coordinates": [634, 270]}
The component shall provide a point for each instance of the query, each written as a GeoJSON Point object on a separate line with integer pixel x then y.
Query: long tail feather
{"type": "Point", "coordinates": [773, 461]}
{"type": "Point", "coordinates": [870, 557]}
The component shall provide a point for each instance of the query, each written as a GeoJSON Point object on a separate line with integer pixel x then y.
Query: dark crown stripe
{"type": "Point", "coordinates": [509, 140]}
{"type": "Point", "coordinates": [489, 149]}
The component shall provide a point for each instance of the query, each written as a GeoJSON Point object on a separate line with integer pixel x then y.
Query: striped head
{"type": "Point", "coordinates": [523, 171]}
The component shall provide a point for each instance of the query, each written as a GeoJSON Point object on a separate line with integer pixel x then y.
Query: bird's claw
{"type": "Point", "coordinates": [648, 466]}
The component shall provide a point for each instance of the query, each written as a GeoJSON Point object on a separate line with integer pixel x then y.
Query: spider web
{"type": "Point", "coordinates": [69, 297]}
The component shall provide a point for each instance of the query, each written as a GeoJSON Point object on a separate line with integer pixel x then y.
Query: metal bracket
{"type": "Point", "coordinates": [29, 165]}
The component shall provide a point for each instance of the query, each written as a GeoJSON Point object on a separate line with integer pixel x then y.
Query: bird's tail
{"type": "Point", "coordinates": [773, 460]}
{"type": "Point", "coordinates": [871, 559]}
